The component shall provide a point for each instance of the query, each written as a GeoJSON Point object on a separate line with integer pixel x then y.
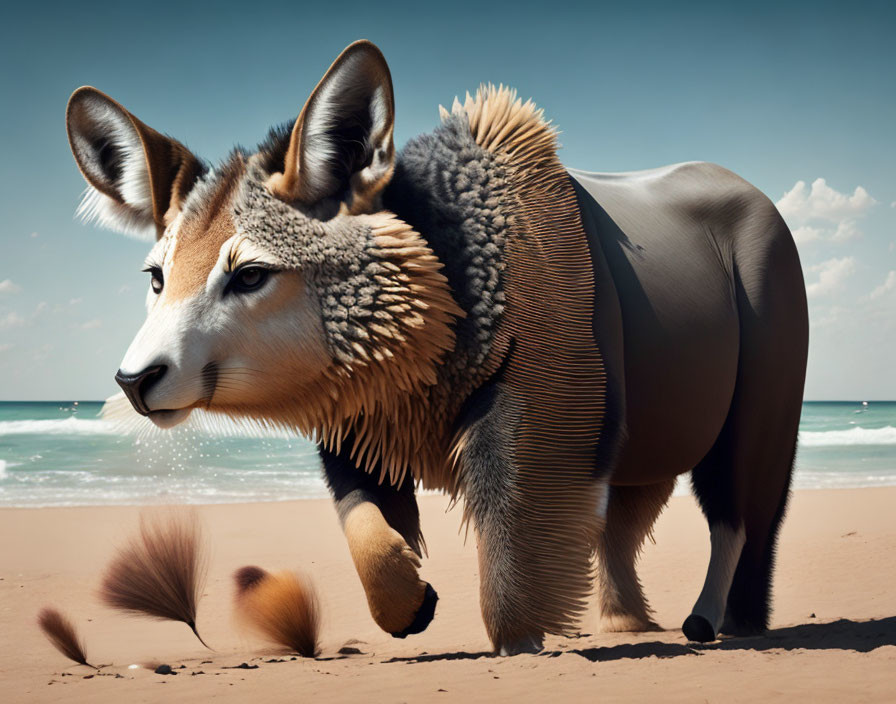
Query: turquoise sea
{"type": "Point", "coordinates": [63, 454]}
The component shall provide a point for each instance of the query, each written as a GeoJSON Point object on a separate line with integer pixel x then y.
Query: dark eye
{"type": "Point", "coordinates": [248, 278]}
{"type": "Point", "coordinates": [157, 282]}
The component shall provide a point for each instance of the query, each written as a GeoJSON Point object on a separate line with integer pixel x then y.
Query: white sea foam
{"type": "Point", "coordinates": [813, 479]}
{"type": "Point", "coordinates": [203, 424]}
{"type": "Point", "coordinates": [853, 436]}
{"type": "Point", "coordinates": [841, 480]}
{"type": "Point", "coordinates": [87, 489]}
{"type": "Point", "coordinates": [64, 426]}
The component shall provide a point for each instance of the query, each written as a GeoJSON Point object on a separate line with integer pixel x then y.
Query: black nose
{"type": "Point", "coordinates": [136, 386]}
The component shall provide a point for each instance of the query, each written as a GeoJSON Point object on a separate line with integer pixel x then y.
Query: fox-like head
{"type": "Point", "coordinates": [279, 288]}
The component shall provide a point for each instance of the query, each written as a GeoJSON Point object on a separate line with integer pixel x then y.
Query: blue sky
{"type": "Point", "coordinates": [796, 97]}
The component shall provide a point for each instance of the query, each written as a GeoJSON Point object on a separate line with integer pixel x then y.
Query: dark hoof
{"type": "Point", "coordinates": [424, 614]}
{"type": "Point", "coordinates": [698, 629]}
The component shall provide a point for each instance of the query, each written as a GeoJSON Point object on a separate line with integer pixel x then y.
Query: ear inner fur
{"type": "Point", "coordinates": [305, 164]}
{"type": "Point", "coordinates": [171, 169]}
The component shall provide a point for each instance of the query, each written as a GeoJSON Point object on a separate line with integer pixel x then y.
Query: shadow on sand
{"type": "Point", "coordinates": [860, 636]}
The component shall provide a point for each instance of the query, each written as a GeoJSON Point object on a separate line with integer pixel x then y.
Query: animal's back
{"type": "Point", "coordinates": [689, 249]}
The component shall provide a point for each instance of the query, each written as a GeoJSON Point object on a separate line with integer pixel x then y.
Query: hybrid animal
{"type": "Point", "coordinates": [553, 346]}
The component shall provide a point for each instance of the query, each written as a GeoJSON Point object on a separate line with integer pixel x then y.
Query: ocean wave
{"type": "Point", "coordinates": [841, 480]}
{"type": "Point", "coordinates": [853, 436]}
{"type": "Point", "coordinates": [63, 426]}
{"type": "Point", "coordinates": [205, 425]}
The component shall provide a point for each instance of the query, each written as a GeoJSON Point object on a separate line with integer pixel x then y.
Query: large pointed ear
{"type": "Point", "coordinates": [341, 145]}
{"type": "Point", "coordinates": [137, 178]}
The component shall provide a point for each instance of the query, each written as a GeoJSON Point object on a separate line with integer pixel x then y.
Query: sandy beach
{"type": "Point", "coordinates": [833, 636]}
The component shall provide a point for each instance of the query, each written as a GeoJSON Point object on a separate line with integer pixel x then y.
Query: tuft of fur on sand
{"type": "Point", "coordinates": [62, 634]}
{"type": "Point", "coordinates": [160, 571]}
{"type": "Point", "coordinates": [283, 608]}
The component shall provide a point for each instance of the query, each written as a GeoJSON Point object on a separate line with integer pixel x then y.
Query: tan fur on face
{"type": "Point", "coordinates": [200, 238]}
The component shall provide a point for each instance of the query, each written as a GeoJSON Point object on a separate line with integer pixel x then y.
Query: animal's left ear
{"type": "Point", "coordinates": [341, 145]}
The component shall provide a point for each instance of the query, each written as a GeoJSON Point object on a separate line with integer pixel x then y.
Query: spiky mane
{"type": "Point", "coordinates": [502, 123]}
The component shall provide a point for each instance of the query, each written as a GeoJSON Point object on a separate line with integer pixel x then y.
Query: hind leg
{"type": "Point", "coordinates": [742, 486]}
{"type": "Point", "coordinates": [631, 512]}
{"type": "Point", "coordinates": [744, 481]}
{"type": "Point", "coordinates": [706, 617]}
{"type": "Point", "coordinates": [749, 600]}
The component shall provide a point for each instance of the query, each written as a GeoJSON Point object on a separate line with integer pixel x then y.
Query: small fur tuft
{"type": "Point", "coordinates": [282, 607]}
{"type": "Point", "coordinates": [248, 577]}
{"type": "Point", "coordinates": [159, 572]}
{"type": "Point", "coordinates": [62, 634]}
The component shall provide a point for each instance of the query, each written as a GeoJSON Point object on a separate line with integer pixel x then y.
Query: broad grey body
{"type": "Point", "coordinates": [682, 243]}
{"type": "Point", "coordinates": [701, 318]}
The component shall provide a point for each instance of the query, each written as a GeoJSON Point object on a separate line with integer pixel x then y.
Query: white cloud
{"type": "Point", "coordinates": [91, 324]}
{"type": "Point", "coordinates": [11, 320]}
{"type": "Point", "coordinates": [124, 289]}
{"type": "Point", "coordinates": [7, 286]}
{"type": "Point", "coordinates": [823, 202]}
{"type": "Point", "coordinates": [819, 212]}
{"type": "Point", "coordinates": [806, 234]}
{"type": "Point", "coordinates": [34, 234]}
{"type": "Point", "coordinates": [846, 231]}
{"type": "Point", "coordinates": [75, 301]}
{"type": "Point", "coordinates": [889, 284]}
{"type": "Point", "coordinates": [6, 346]}
{"type": "Point", "coordinates": [831, 276]}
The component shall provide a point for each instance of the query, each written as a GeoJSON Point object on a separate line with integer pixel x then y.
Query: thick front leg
{"type": "Point", "coordinates": [536, 532]}
{"type": "Point", "coordinates": [382, 527]}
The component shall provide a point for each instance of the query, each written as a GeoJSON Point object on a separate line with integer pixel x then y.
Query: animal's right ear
{"type": "Point", "coordinates": [137, 178]}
